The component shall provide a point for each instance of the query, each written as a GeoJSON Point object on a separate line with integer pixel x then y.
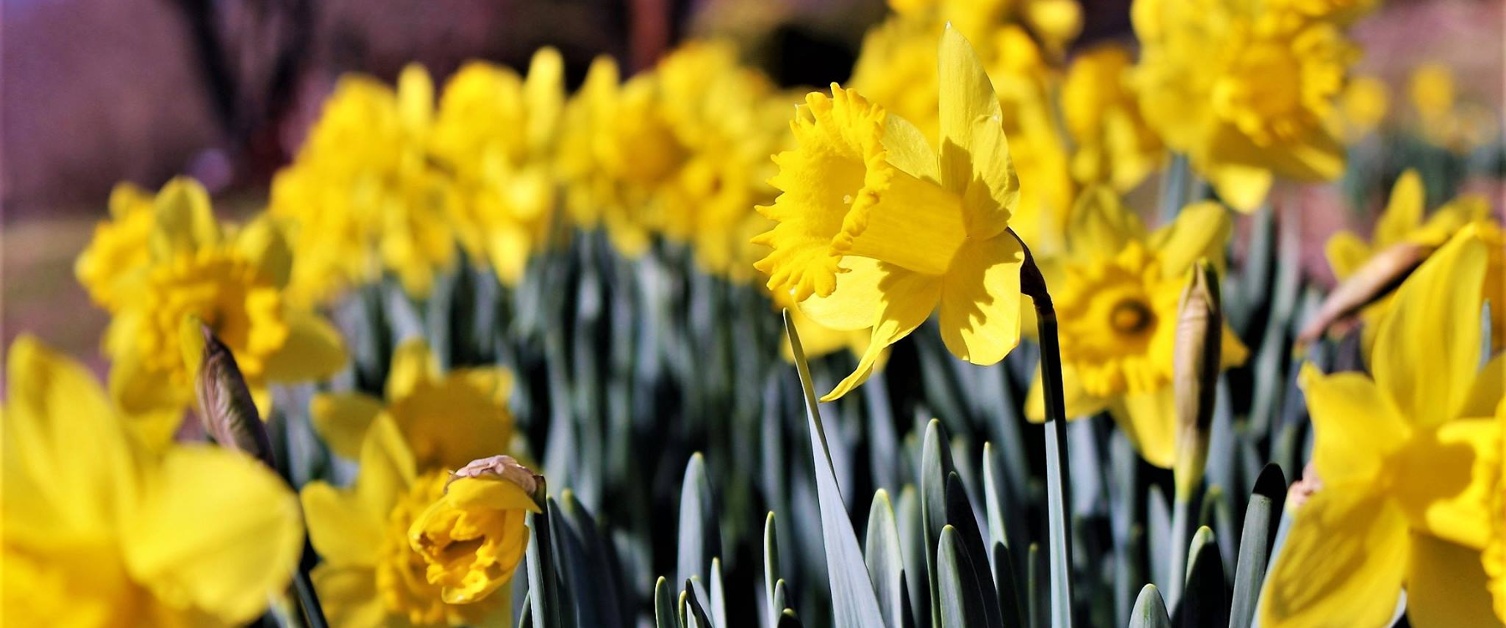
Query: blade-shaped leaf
{"type": "Point", "coordinates": [960, 516]}
{"type": "Point", "coordinates": [935, 465]}
{"type": "Point", "coordinates": [886, 566]}
{"type": "Point", "coordinates": [542, 574]}
{"type": "Point", "coordinates": [770, 568]}
{"type": "Point", "coordinates": [1205, 601]}
{"type": "Point", "coordinates": [699, 529]}
{"type": "Point", "coordinates": [1012, 611]}
{"type": "Point", "coordinates": [1150, 610]}
{"type": "Point", "coordinates": [959, 596]}
{"type": "Point", "coordinates": [1262, 517]}
{"type": "Point", "coordinates": [665, 614]}
{"type": "Point", "coordinates": [853, 600]}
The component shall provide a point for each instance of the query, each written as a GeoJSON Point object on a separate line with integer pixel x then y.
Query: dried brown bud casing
{"type": "Point", "coordinates": [1195, 364]}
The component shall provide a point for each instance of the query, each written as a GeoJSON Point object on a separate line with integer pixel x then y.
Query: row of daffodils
{"type": "Point", "coordinates": [981, 183]}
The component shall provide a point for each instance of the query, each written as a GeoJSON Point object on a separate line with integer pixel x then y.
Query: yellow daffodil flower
{"type": "Point", "coordinates": [1243, 89]}
{"type": "Point", "coordinates": [1362, 108]}
{"type": "Point", "coordinates": [370, 575]}
{"type": "Point", "coordinates": [473, 537]}
{"type": "Point", "coordinates": [876, 229]}
{"type": "Point", "coordinates": [496, 133]}
{"type": "Point", "coordinates": [428, 408]}
{"type": "Point", "coordinates": [102, 531]}
{"type": "Point", "coordinates": [363, 195]}
{"type": "Point", "coordinates": [1444, 119]}
{"type": "Point", "coordinates": [113, 262]}
{"type": "Point", "coordinates": [1405, 459]}
{"type": "Point", "coordinates": [1114, 145]}
{"type": "Point", "coordinates": [1117, 293]}
{"type": "Point", "coordinates": [1402, 221]}
{"type": "Point", "coordinates": [233, 281]}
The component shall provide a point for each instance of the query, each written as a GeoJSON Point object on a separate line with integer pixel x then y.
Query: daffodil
{"type": "Point", "coordinates": [116, 257]}
{"type": "Point", "coordinates": [472, 538]}
{"type": "Point", "coordinates": [496, 133]}
{"type": "Point", "coordinates": [1244, 89]}
{"type": "Point", "coordinates": [369, 574]}
{"type": "Point", "coordinates": [1442, 117]}
{"type": "Point", "coordinates": [100, 530]}
{"type": "Point", "coordinates": [233, 280]}
{"type": "Point", "coordinates": [1401, 222]}
{"type": "Point", "coordinates": [363, 196]}
{"type": "Point", "coordinates": [447, 419]}
{"type": "Point", "coordinates": [1494, 556]}
{"type": "Point", "coordinates": [1362, 108]}
{"type": "Point", "coordinates": [1114, 145]}
{"type": "Point", "coordinates": [1117, 291]}
{"type": "Point", "coordinates": [1405, 457]}
{"type": "Point", "coordinates": [876, 229]}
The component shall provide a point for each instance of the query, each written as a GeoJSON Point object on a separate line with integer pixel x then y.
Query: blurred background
{"type": "Point", "coordinates": [95, 92]}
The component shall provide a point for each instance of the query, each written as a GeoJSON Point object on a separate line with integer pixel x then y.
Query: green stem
{"type": "Point", "coordinates": [1058, 478]}
{"type": "Point", "coordinates": [313, 612]}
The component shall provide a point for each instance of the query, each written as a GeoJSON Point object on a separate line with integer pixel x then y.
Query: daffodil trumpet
{"type": "Point", "coordinates": [1058, 482]}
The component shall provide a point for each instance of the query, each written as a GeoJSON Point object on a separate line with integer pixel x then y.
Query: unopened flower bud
{"type": "Point", "coordinates": [1375, 279]}
{"type": "Point", "coordinates": [472, 539]}
{"type": "Point", "coordinates": [226, 409]}
{"type": "Point", "coordinates": [1195, 363]}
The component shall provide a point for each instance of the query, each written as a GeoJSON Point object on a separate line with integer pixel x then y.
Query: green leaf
{"type": "Point", "coordinates": [787, 619]}
{"type": "Point", "coordinates": [992, 499]}
{"type": "Point", "coordinates": [1262, 518]}
{"type": "Point", "coordinates": [665, 614]}
{"type": "Point", "coordinates": [770, 567]}
{"type": "Point", "coordinates": [935, 465]}
{"type": "Point", "coordinates": [695, 613]}
{"type": "Point", "coordinates": [699, 529]}
{"type": "Point", "coordinates": [961, 599]}
{"type": "Point", "coordinates": [717, 595]}
{"type": "Point", "coordinates": [1158, 538]}
{"type": "Point", "coordinates": [960, 517]}
{"type": "Point", "coordinates": [1038, 591]}
{"type": "Point", "coordinates": [542, 575]}
{"type": "Point", "coordinates": [1012, 611]}
{"type": "Point", "coordinates": [886, 563]}
{"type": "Point", "coordinates": [912, 545]}
{"type": "Point", "coordinates": [1150, 610]}
{"type": "Point", "coordinates": [1205, 601]}
{"type": "Point", "coordinates": [853, 600]}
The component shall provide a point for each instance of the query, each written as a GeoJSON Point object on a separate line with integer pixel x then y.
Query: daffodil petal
{"type": "Point", "coordinates": [1488, 389]}
{"type": "Point", "coordinates": [263, 243]}
{"type": "Point", "coordinates": [342, 420]}
{"type": "Point", "coordinates": [1200, 231]}
{"type": "Point", "coordinates": [1354, 426]}
{"type": "Point", "coordinates": [966, 95]}
{"type": "Point", "coordinates": [217, 531]}
{"type": "Point", "coordinates": [1403, 213]}
{"type": "Point", "coordinates": [1446, 585]}
{"type": "Point", "coordinates": [994, 191]}
{"type": "Point", "coordinates": [313, 350]}
{"type": "Point", "coordinates": [1440, 302]}
{"type": "Point", "coordinates": [349, 595]}
{"type": "Point", "coordinates": [1149, 420]}
{"type": "Point", "coordinates": [1243, 188]}
{"type": "Point", "coordinates": [140, 390]}
{"type": "Point", "coordinates": [980, 300]}
{"type": "Point", "coordinates": [1346, 252]}
{"type": "Point", "coordinates": [342, 529]}
{"type": "Point", "coordinates": [1342, 564]}
{"type": "Point", "coordinates": [1447, 477]}
{"type": "Point", "coordinates": [184, 220]}
{"type": "Point", "coordinates": [907, 149]}
{"type": "Point", "coordinates": [1100, 225]}
{"type": "Point", "coordinates": [412, 364]}
{"type": "Point", "coordinates": [909, 299]}
{"type": "Point", "coordinates": [1233, 352]}
{"type": "Point", "coordinates": [856, 301]}
{"type": "Point", "coordinates": [387, 466]}
{"type": "Point", "coordinates": [1075, 399]}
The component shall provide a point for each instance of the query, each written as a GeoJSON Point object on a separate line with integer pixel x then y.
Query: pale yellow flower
{"type": "Point", "coordinates": [876, 229]}
{"type": "Point", "coordinates": [1114, 145]}
{"type": "Point", "coordinates": [99, 530]}
{"type": "Point", "coordinates": [472, 538]}
{"type": "Point", "coordinates": [1117, 291]}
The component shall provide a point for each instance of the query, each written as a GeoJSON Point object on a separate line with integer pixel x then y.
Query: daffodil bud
{"type": "Point", "coordinates": [225, 406]}
{"type": "Point", "coordinates": [1195, 364]}
{"type": "Point", "coordinates": [473, 537]}
{"type": "Point", "coordinates": [1375, 279]}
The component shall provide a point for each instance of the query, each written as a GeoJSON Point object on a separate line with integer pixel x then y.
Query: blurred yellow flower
{"type": "Point", "coordinates": [446, 420]}
{"type": "Point", "coordinates": [1114, 145]}
{"type": "Point", "coordinates": [101, 531]}
{"type": "Point", "coordinates": [1442, 118]}
{"type": "Point", "coordinates": [1402, 221]}
{"type": "Point", "coordinates": [1243, 89]}
{"type": "Point", "coordinates": [113, 262]}
{"type": "Point", "coordinates": [1362, 107]}
{"type": "Point", "coordinates": [495, 134]}
{"type": "Point", "coordinates": [1117, 294]}
{"type": "Point", "coordinates": [370, 575]}
{"type": "Point", "coordinates": [472, 538]}
{"type": "Point", "coordinates": [364, 195]}
{"type": "Point", "coordinates": [875, 229]}
{"type": "Point", "coordinates": [1406, 461]}
{"type": "Point", "coordinates": [1494, 556]}
{"type": "Point", "coordinates": [233, 282]}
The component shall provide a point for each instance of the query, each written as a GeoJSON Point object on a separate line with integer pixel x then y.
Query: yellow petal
{"type": "Point", "coordinates": [1427, 347]}
{"type": "Point", "coordinates": [911, 222]}
{"type": "Point", "coordinates": [1446, 478]}
{"type": "Point", "coordinates": [855, 302]}
{"type": "Point", "coordinates": [1487, 391]}
{"type": "Point", "coordinates": [341, 527]}
{"type": "Point", "coordinates": [1200, 231]}
{"type": "Point", "coordinates": [980, 300]}
{"type": "Point", "coordinates": [387, 466]}
{"type": "Point", "coordinates": [217, 531]}
{"type": "Point", "coordinates": [966, 95]}
{"type": "Point", "coordinates": [1342, 564]}
{"type": "Point", "coordinates": [140, 390]}
{"type": "Point", "coordinates": [412, 364]}
{"type": "Point", "coordinates": [1101, 225]}
{"type": "Point", "coordinates": [184, 219]}
{"type": "Point", "coordinates": [342, 420]}
{"type": "Point", "coordinates": [1354, 426]}
{"type": "Point", "coordinates": [1446, 585]}
{"type": "Point", "coordinates": [313, 350]}
{"type": "Point", "coordinates": [63, 440]}
{"type": "Point", "coordinates": [908, 150]}
{"type": "Point", "coordinates": [1346, 252]}
{"type": "Point", "coordinates": [415, 97]}
{"type": "Point", "coordinates": [1242, 187]}
{"type": "Point", "coordinates": [1403, 213]}
{"type": "Point", "coordinates": [994, 191]}
{"type": "Point", "coordinates": [349, 596]}
{"type": "Point", "coordinates": [1076, 400]}
{"type": "Point", "coordinates": [1150, 422]}
{"type": "Point", "coordinates": [1234, 352]}
{"type": "Point", "coordinates": [264, 244]}
{"type": "Point", "coordinates": [908, 299]}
